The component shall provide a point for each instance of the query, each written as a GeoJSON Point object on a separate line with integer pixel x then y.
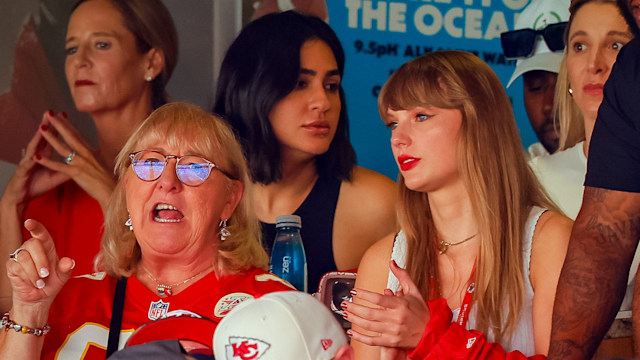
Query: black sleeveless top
{"type": "Point", "coordinates": [317, 212]}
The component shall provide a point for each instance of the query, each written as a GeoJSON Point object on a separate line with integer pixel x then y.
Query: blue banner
{"type": "Point", "coordinates": [379, 36]}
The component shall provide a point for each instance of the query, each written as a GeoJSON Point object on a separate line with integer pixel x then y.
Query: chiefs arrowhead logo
{"type": "Point", "coordinates": [228, 302]}
{"type": "Point", "coordinates": [326, 343]}
{"type": "Point", "coordinates": [470, 342]}
{"type": "Point", "coordinates": [241, 348]}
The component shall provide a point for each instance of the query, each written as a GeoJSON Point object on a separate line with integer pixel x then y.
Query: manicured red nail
{"type": "Point", "coordinates": [38, 157]}
{"type": "Point", "coordinates": [343, 304]}
{"type": "Point", "coordinates": [353, 292]}
{"type": "Point", "coordinates": [44, 127]}
{"type": "Point", "coordinates": [65, 115]}
{"type": "Point", "coordinates": [349, 332]}
{"type": "Point", "coordinates": [51, 113]}
{"type": "Point", "coordinates": [345, 315]}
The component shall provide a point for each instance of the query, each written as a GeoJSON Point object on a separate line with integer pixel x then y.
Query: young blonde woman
{"type": "Point", "coordinates": [595, 34]}
{"type": "Point", "coordinates": [477, 236]}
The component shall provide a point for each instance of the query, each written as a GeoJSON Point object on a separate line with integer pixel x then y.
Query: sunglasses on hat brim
{"type": "Point", "coordinates": [520, 43]}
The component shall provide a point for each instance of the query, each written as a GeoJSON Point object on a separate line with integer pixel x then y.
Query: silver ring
{"type": "Point", "coordinates": [14, 255]}
{"type": "Point", "coordinates": [70, 157]}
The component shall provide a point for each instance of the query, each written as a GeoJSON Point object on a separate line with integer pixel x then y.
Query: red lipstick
{"type": "Point", "coordinates": [406, 162]}
{"type": "Point", "coordinates": [83, 83]}
{"type": "Point", "coordinates": [593, 89]}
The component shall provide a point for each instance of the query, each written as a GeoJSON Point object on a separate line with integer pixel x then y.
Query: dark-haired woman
{"type": "Point", "coordinates": [280, 89]}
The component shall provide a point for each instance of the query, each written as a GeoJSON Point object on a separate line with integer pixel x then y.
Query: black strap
{"type": "Point", "coordinates": [116, 316]}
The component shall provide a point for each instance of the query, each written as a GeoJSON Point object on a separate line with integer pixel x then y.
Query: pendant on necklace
{"type": "Point", "coordinates": [163, 290]}
{"type": "Point", "coordinates": [442, 247]}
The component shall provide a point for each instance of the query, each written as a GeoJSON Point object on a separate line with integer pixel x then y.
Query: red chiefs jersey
{"type": "Point", "coordinates": [81, 314]}
{"type": "Point", "coordinates": [74, 220]}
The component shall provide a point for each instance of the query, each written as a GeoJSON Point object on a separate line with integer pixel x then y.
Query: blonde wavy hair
{"type": "Point", "coordinates": [567, 115]}
{"type": "Point", "coordinates": [180, 124]}
{"type": "Point", "coordinates": [490, 159]}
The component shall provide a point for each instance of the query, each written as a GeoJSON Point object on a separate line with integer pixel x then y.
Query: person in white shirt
{"type": "Point", "coordinates": [537, 43]}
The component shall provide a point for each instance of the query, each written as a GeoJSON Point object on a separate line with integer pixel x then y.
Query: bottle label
{"type": "Point", "coordinates": [286, 260]}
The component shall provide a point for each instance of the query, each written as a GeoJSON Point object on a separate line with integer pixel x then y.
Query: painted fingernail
{"type": "Point", "coordinates": [73, 265]}
{"type": "Point", "coordinates": [349, 332]}
{"type": "Point", "coordinates": [38, 157]}
{"type": "Point", "coordinates": [51, 113]}
{"type": "Point", "coordinates": [345, 315]}
{"type": "Point", "coordinates": [353, 292]}
{"type": "Point", "coordinates": [64, 114]}
{"type": "Point", "coordinates": [343, 304]}
{"type": "Point", "coordinates": [44, 127]}
{"type": "Point", "coordinates": [40, 283]}
{"type": "Point", "coordinates": [44, 272]}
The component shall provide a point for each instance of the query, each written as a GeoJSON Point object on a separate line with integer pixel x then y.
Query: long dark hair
{"type": "Point", "coordinates": [261, 67]}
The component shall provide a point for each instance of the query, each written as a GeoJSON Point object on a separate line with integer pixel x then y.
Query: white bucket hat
{"type": "Point", "coordinates": [538, 15]}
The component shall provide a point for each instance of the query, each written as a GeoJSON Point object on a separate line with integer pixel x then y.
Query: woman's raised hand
{"type": "Point", "coordinates": [80, 163]}
{"type": "Point", "coordinates": [35, 271]}
{"type": "Point", "coordinates": [31, 180]}
{"type": "Point", "coordinates": [394, 321]}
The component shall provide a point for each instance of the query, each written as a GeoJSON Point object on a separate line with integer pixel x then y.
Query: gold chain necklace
{"type": "Point", "coordinates": [164, 289]}
{"type": "Point", "coordinates": [443, 246]}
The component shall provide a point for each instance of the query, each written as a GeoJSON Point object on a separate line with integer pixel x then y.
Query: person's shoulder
{"type": "Point", "coordinates": [552, 230]}
{"type": "Point", "coordinates": [559, 160]}
{"type": "Point", "coordinates": [368, 189]}
{"type": "Point", "coordinates": [366, 206]}
{"type": "Point", "coordinates": [382, 248]}
{"type": "Point", "coordinates": [375, 262]}
{"type": "Point", "coordinates": [366, 179]}
{"type": "Point", "coordinates": [548, 250]}
{"type": "Point", "coordinates": [536, 149]}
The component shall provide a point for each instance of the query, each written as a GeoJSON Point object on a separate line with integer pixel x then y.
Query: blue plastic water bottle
{"type": "Point", "coordinates": [288, 260]}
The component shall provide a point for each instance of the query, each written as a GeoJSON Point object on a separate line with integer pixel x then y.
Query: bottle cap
{"type": "Point", "coordinates": [288, 220]}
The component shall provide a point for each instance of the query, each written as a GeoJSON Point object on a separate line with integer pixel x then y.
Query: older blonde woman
{"type": "Point", "coordinates": [178, 235]}
{"type": "Point", "coordinates": [119, 57]}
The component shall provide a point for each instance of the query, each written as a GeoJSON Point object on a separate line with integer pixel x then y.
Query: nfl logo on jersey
{"type": "Point", "coordinates": [158, 309]}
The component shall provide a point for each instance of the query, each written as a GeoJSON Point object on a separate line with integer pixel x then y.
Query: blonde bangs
{"type": "Point", "coordinates": [491, 162]}
{"type": "Point", "coordinates": [417, 84]}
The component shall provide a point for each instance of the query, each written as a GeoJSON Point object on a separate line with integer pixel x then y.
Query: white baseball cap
{"type": "Point", "coordinates": [279, 326]}
{"type": "Point", "coordinates": [538, 15]}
